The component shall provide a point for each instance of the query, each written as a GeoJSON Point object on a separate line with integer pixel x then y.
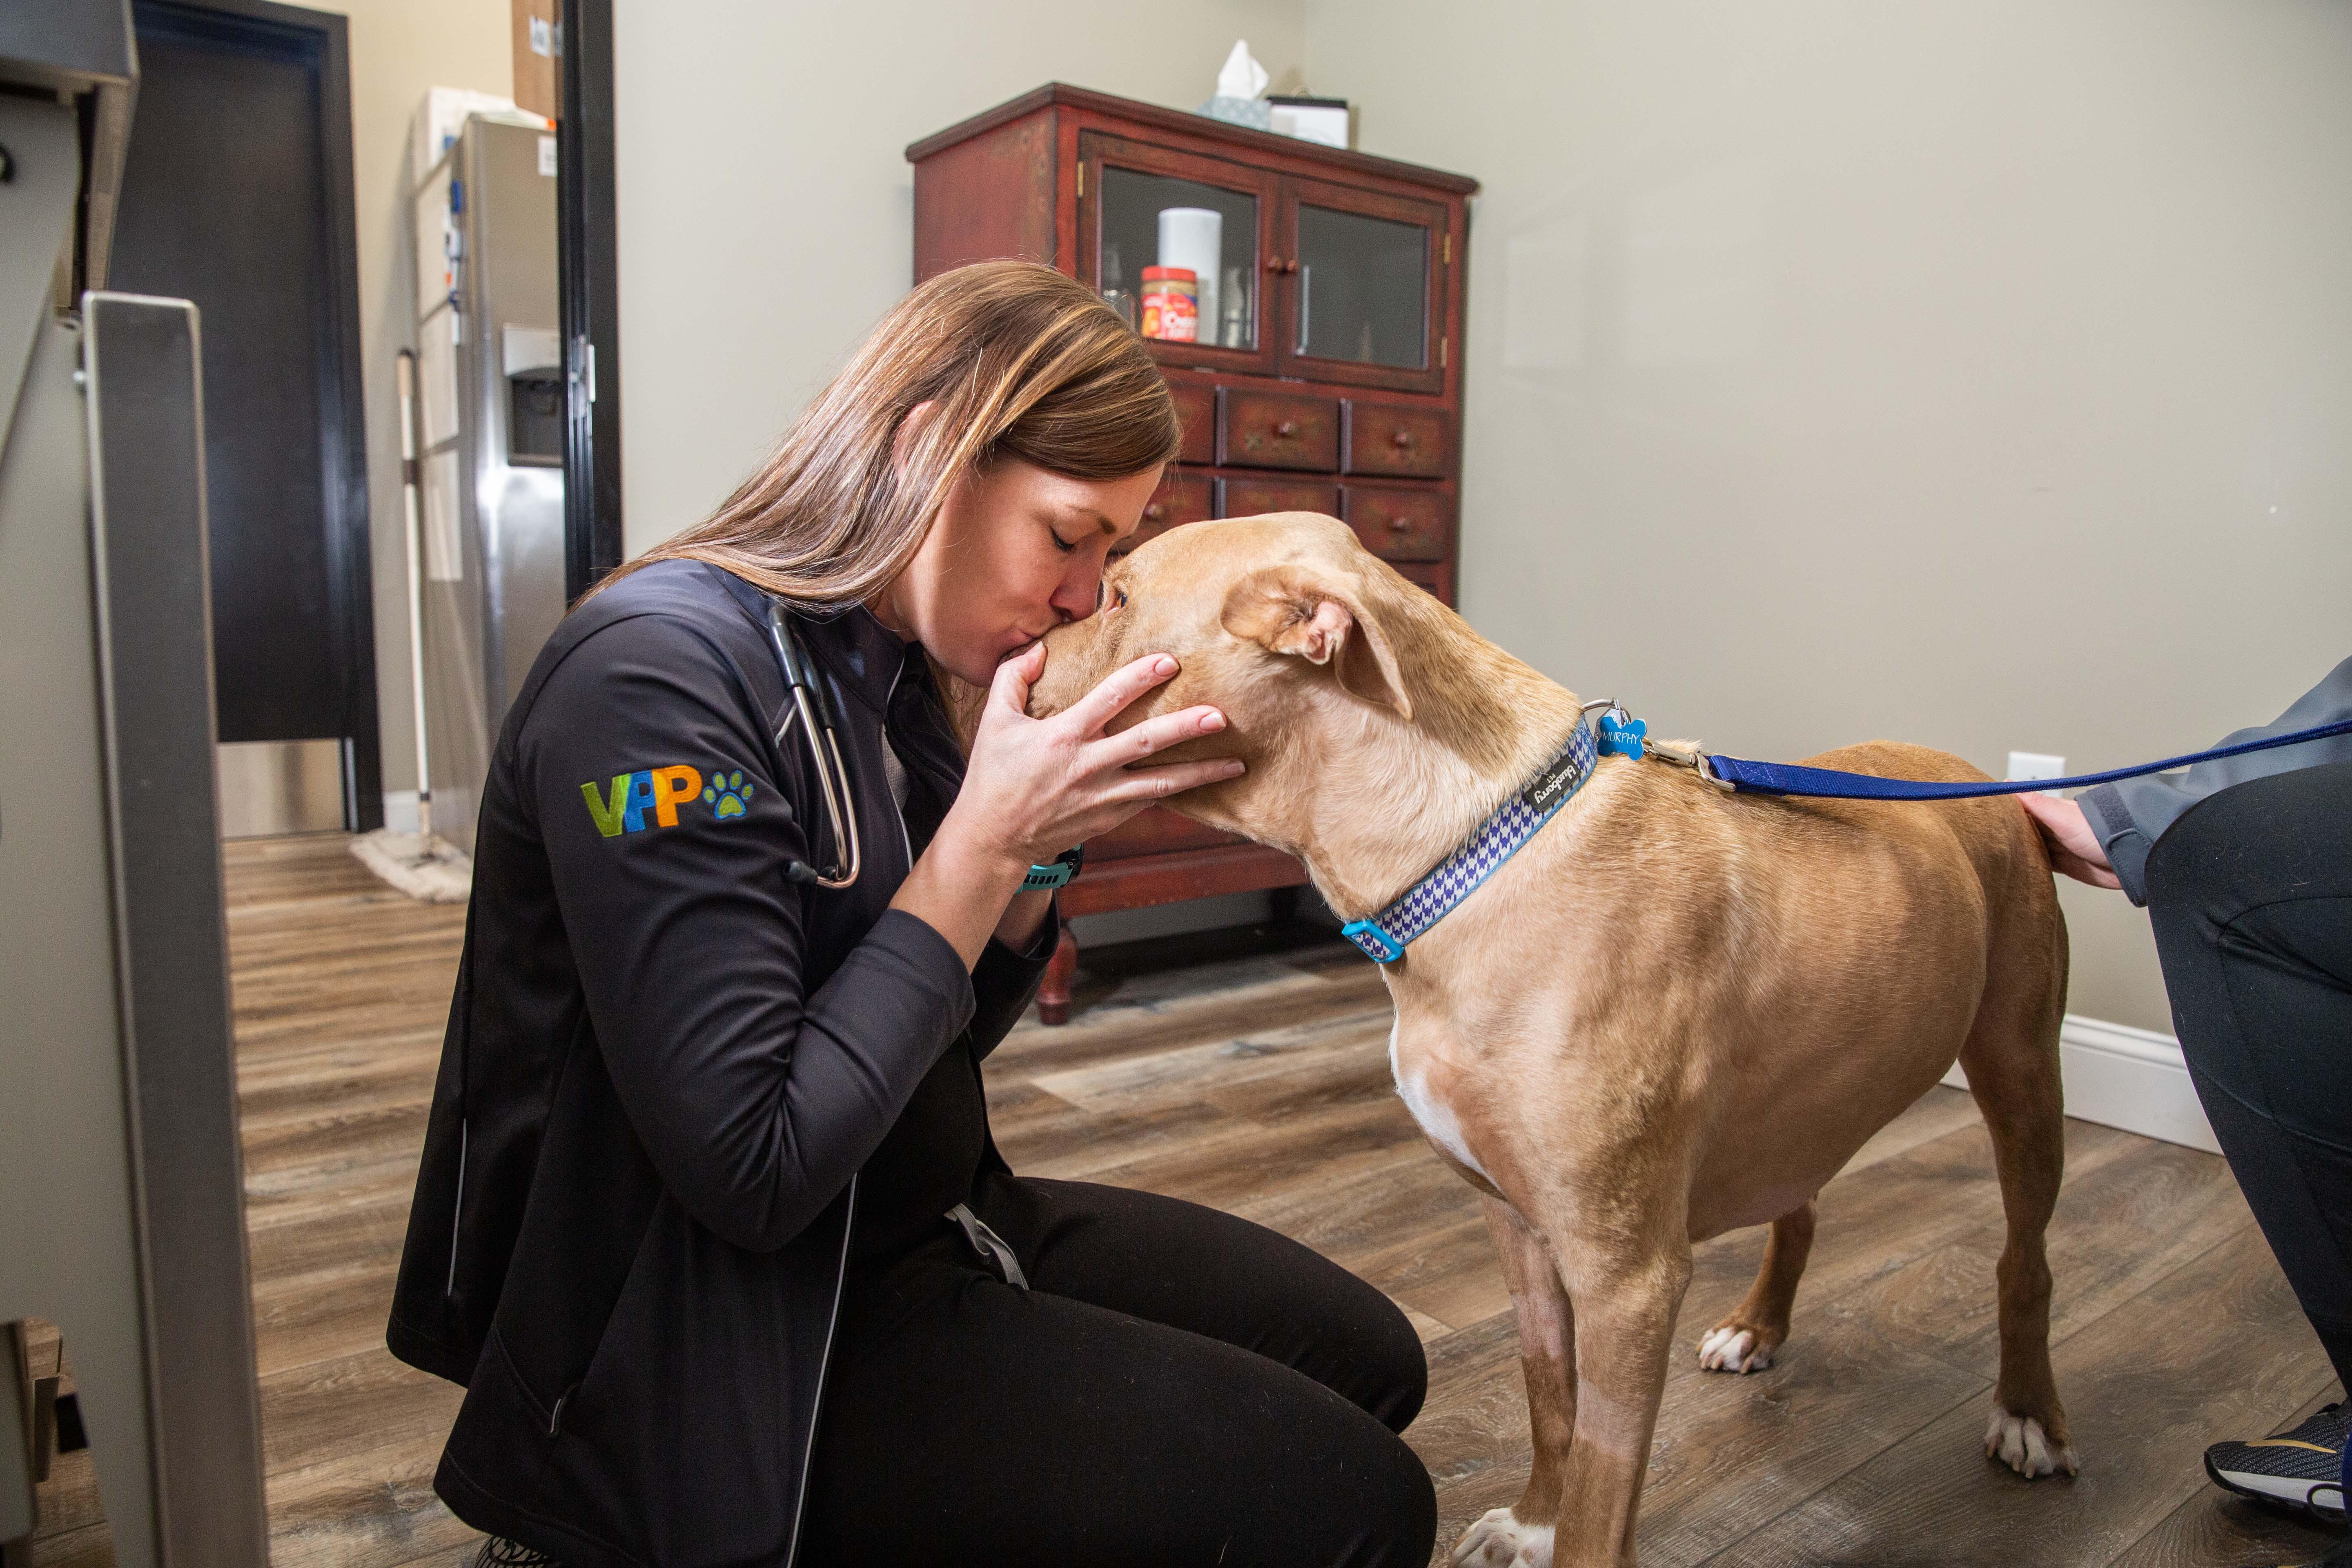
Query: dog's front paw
{"type": "Point", "coordinates": [2019, 1442]}
{"type": "Point", "coordinates": [1500, 1540]}
{"type": "Point", "coordinates": [1728, 1347]}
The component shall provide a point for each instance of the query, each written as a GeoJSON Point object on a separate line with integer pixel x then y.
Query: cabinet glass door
{"type": "Point", "coordinates": [1199, 224]}
{"type": "Point", "coordinates": [1366, 287]}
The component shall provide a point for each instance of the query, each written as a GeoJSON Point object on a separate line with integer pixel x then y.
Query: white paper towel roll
{"type": "Point", "coordinates": [1194, 238]}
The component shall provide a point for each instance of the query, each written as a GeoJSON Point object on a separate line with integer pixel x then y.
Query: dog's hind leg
{"type": "Point", "coordinates": [1744, 1340]}
{"type": "Point", "coordinates": [2012, 1061]}
{"type": "Point", "coordinates": [1520, 1536]}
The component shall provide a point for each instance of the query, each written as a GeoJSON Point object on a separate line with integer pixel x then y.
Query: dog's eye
{"type": "Point", "coordinates": [1118, 599]}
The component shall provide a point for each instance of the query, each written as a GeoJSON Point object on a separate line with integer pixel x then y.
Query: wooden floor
{"type": "Point", "coordinates": [1254, 1077]}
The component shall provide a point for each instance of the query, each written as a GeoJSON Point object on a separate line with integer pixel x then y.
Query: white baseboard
{"type": "Point", "coordinates": [400, 810]}
{"type": "Point", "coordinates": [2132, 1079]}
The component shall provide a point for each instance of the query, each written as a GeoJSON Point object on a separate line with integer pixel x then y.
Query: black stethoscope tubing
{"type": "Point", "coordinates": [811, 706]}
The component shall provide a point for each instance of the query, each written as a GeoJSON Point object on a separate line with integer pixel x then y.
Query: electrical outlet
{"type": "Point", "coordinates": [2038, 765]}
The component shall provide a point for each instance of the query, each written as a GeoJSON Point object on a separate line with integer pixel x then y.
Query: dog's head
{"type": "Point", "coordinates": [1285, 623]}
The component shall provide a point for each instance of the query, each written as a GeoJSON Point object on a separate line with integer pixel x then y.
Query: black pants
{"type": "Point", "coordinates": [2251, 895]}
{"type": "Point", "coordinates": [1177, 1388]}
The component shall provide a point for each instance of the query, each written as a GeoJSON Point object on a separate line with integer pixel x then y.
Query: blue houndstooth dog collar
{"type": "Point", "coordinates": [1495, 840]}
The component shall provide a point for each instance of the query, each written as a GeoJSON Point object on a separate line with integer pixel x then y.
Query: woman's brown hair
{"type": "Point", "coordinates": [1016, 361]}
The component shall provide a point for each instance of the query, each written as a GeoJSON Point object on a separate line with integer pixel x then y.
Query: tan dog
{"type": "Point", "coordinates": [1673, 1012]}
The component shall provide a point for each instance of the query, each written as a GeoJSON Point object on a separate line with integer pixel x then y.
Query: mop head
{"type": "Point", "coordinates": [426, 866]}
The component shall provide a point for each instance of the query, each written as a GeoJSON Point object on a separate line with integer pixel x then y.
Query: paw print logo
{"type": "Point", "coordinates": [726, 793]}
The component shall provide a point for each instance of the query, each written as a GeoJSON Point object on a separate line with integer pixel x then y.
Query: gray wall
{"type": "Point", "coordinates": [767, 208]}
{"type": "Point", "coordinates": [1970, 372]}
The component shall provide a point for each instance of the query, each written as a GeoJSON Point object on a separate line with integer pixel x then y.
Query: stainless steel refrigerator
{"type": "Point", "coordinates": [490, 421]}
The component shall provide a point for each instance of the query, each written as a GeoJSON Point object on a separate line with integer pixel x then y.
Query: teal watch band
{"type": "Point", "coordinates": [1063, 866]}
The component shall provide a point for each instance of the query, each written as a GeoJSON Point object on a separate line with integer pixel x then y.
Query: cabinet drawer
{"type": "Point", "coordinates": [1276, 430]}
{"type": "Point", "coordinates": [1181, 498]}
{"type": "Point", "coordinates": [1395, 438]}
{"type": "Point", "coordinates": [1249, 497]}
{"type": "Point", "coordinates": [1437, 576]}
{"type": "Point", "coordinates": [1196, 411]}
{"type": "Point", "coordinates": [1400, 522]}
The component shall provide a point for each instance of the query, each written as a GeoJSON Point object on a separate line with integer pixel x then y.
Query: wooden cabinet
{"type": "Point", "coordinates": [1401, 522]}
{"type": "Point", "coordinates": [1243, 495]}
{"type": "Point", "coordinates": [1399, 438]}
{"type": "Point", "coordinates": [1325, 374]}
{"type": "Point", "coordinates": [1181, 498]}
{"type": "Point", "coordinates": [1262, 429]}
{"type": "Point", "coordinates": [1196, 411]}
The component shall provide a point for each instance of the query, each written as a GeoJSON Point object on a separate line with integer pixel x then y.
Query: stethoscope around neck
{"type": "Point", "coordinates": [813, 708]}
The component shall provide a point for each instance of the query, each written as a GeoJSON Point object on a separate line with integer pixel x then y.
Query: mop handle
{"type": "Point", "coordinates": [405, 364]}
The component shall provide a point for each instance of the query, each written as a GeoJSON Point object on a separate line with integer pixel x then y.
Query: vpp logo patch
{"type": "Point", "coordinates": [729, 794]}
{"type": "Point", "coordinates": [660, 792]}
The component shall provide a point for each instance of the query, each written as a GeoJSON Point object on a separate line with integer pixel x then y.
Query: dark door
{"type": "Point", "coordinates": [236, 194]}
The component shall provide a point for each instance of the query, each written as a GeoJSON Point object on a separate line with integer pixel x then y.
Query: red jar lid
{"type": "Point", "coordinates": [1171, 274]}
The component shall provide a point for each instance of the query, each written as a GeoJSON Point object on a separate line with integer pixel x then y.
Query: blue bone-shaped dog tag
{"type": "Point", "coordinates": [1620, 733]}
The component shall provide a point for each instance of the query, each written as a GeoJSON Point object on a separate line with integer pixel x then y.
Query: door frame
{"type": "Point", "coordinates": [344, 428]}
{"type": "Point", "coordinates": [588, 298]}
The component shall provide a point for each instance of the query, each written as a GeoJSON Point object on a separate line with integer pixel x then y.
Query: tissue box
{"type": "Point", "coordinates": [1254, 112]}
{"type": "Point", "coordinates": [1323, 120]}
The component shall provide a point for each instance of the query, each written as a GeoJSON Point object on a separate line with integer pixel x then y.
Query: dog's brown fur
{"type": "Point", "coordinates": [1673, 1014]}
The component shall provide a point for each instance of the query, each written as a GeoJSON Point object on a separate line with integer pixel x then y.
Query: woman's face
{"type": "Point", "coordinates": [1015, 552]}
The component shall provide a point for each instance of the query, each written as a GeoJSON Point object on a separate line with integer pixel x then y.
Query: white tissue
{"type": "Point", "coordinates": [1243, 76]}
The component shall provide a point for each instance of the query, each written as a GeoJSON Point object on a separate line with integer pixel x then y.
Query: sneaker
{"type": "Point", "coordinates": [499, 1553]}
{"type": "Point", "coordinates": [2302, 1469]}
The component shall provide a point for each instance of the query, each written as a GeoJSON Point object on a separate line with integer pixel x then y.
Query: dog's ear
{"type": "Point", "coordinates": [1290, 610]}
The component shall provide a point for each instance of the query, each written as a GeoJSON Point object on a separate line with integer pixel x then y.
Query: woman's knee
{"type": "Point", "coordinates": [1395, 1378]}
{"type": "Point", "coordinates": [1358, 1342]}
{"type": "Point", "coordinates": [1409, 1502]}
{"type": "Point", "coordinates": [1371, 1505]}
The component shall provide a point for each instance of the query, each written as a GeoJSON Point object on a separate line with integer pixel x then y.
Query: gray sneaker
{"type": "Point", "coordinates": [2303, 1467]}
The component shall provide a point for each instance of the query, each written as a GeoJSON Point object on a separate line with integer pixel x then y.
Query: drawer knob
{"type": "Point", "coordinates": [1402, 437]}
{"type": "Point", "coordinates": [1274, 264]}
{"type": "Point", "coordinates": [1288, 428]}
{"type": "Point", "coordinates": [1154, 511]}
{"type": "Point", "coordinates": [1291, 265]}
{"type": "Point", "coordinates": [1399, 524]}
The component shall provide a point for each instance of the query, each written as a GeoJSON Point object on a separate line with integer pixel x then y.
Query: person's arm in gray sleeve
{"type": "Point", "coordinates": [2130, 815]}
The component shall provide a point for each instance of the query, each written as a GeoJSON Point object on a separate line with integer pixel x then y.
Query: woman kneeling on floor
{"type": "Point", "coordinates": [709, 1223]}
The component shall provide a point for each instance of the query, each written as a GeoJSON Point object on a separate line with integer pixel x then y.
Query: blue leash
{"type": "Point", "coordinates": [1788, 778]}
{"type": "Point", "coordinates": [1384, 936]}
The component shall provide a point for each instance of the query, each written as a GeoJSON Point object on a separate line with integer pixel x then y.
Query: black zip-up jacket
{"type": "Point", "coordinates": [665, 1065]}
